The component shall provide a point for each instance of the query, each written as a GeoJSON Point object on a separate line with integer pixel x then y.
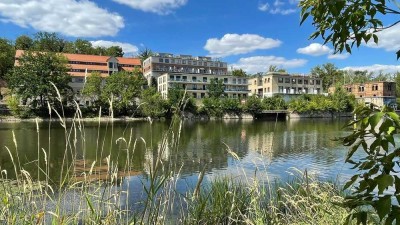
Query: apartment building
{"type": "Point", "coordinates": [193, 74]}
{"type": "Point", "coordinates": [81, 65]}
{"type": "Point", "coordinates": [273, 83]}
{"type": "Point", "coordinates": [162, 63]}
{"type": "Point", "coordinates": [377, 92]}
{"type": "Point", "coordinates": [197, 84]}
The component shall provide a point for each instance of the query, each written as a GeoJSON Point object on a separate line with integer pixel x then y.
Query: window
{"type": "Point", "coordinates": [348, 89]}
{"type": "Point", "coordinates": [280, 80]}
{"type": "Point", "coordinates": [204, 79]}
{"type": "Point", "coordinates": [183, 61]}
{"type": "Point", "coordinates": [375, 87]}
{"type": "Point", "coordinates": [280, 89]}
{"type": "Point", "coordinates": [318, 82]}
{"type": "Point", "coordinates": [389, 87]}
{"type": "Point", "coordinates": [166, 61]}
{"type": "Point", "coordinates": [268, 90]}
{"type": "Point", "coordinates": [184, 78]}
{"type": "Point", "coordinates": [160, 60]}
{"type": "Point", "coordinates": [268, 80]}
{"type": "Point", "coordinates": [361, 88]}
{"type": "Point", "coordinates": [194, 63]}
{"type": "Point", "coordinates": [255, 82]}
{"type": "Point", "coordinates": [311, 82]}
{"type": "Point", "coordinates": [293, 81]}
{"type": "Point", "coordinates": [300, 81]}
{"type": "Point", "coordinates": [205, 63]}
{"type": "Point", "coordinates": [305, 81]}
{"type": "Point", "coordinates": [225, 80]}
{"type": "Point", "coordinates": [172, 60]}
{"type": "Point", "coordinates": [171, 77]}
{"type": "Point", "coordinates": [287, 80]}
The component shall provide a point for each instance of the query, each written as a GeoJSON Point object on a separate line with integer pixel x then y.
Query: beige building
{"type": "Point", "coordinates": [273, 83]}
{"type": "Point", "coordinates": [193, 74]}
{"type": "Point", "coordinates": [162, 63]}
{"type": "Point", "coordinates": [379, 93]}
{"type": "Point", "coordinates": [197, 84]}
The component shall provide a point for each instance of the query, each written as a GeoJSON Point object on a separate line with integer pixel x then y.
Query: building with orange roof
{"type": "Point", "coordinates": [81, 65]}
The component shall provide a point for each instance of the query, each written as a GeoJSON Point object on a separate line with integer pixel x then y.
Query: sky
{"type": "Point", "coordinates": [247, 34]}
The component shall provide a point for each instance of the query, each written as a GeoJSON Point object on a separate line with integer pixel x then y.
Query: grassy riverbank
{"type": "Point", "coordinates": [100, 192]}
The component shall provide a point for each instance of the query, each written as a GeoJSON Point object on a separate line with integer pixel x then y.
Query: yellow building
{"type": "Point", "coordinates": [273, 83]}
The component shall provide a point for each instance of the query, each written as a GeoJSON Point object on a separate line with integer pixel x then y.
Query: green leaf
{"type": "Point", "coordinates": [384, 181]}
{"type": "Point", "coordinates": [304, 17]}
{"type": "Point", "coordinates": [375, 39]}
{"type": "Point", "coordinates": [397, 184]}
{"type": "Point", "coordinates": [383, 206]}
{"type": "Point", "coordinates": [350, 182]}
{"type": "Point", "coordinates": [398, 54]}
{"type": "Point", "coordinates": [362, 217]}
{"type": "Point", "coordinates": [374, 120]}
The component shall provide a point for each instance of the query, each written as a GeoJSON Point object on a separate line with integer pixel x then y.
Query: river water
{"type": "Point", "coordinates": [273, 147]}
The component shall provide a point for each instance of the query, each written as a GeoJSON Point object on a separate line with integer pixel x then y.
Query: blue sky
{"type": "Point", "coordinates": [248, 34]}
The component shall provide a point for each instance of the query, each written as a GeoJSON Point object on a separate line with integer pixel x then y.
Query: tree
{"type": "Point", "coordinates": [274, 68]}
{"type": "Point", "coordinates": [31, 79]}
{"type": "Point", "coordinates": [48, 42]}
{"type": "Point", "coordinates": [152, 103]}
{"type": "Point", "coordinates": [92, 88]}
{"type": "Point", "coordinates": [329, 73]}
{"type": "Point", "coordinates": [345, 23]}
{"type": "Point", "coordinates": [376, 184]}
{"type": "Point", "coordinates": [216, 88]}
{"type": "Point", "coordinates": [115, 51]}
{"type": "Point", "coordinates": [83, 47]}
{"type": "Point", "coordinates": [122, 88]}
{"type": "Point", "coordinates": [23, 42]}
{"type": "Point", "coordinates": [253, 105]}
{"type": "Point", "coordinates": [145, 53]}
{"type": "Point", "coordinates": [7, 54]}
{"type": "Point", "coordinates": [239, 73]}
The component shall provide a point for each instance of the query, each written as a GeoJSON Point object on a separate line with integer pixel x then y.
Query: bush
{"type": "Point", "coordinates": [213, 107]}
{"type": "Point", "coordinates": [253, 105]}
{"type": "Point", "coordinates": [17, 110]}
{"type": "Point", "coordinates": [231, 106]}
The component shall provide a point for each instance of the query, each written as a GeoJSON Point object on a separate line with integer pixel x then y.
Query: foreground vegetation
{"type": "Point", "coordinates": [98, 192]}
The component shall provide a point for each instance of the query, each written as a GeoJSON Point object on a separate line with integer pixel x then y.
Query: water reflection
{"type": "Point", "coordinates": [202, 144]}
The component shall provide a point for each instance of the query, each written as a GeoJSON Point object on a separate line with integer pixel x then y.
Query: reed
{"type": "Point", "coordinates": [95, 192]}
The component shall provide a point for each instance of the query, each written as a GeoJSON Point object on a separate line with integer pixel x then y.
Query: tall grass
{"type": "Point", "coordinates": [91, 191]}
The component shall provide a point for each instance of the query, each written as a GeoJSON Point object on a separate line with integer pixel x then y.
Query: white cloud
{"type": "Point", "coordinates": [314, 49]}
{"type": "Point", "coordinates": [263, 7]}
{"type": "Point", "coordinates": [69, 17]}
{"type": "Point", "coordinates": [278, 7]}
{"type": "Point", "coordinates": [376, 68]}
{"type": "Point", "coordinates": [338, 56]}
{"type": "Point", "coordinates": [235, 44]}
{"type": "Point", "coordinates": [126, 47]}
{"type": "Point", "coordinates": [161, 7]}
{"type": "Point", "coordinates": [257, 64]}
{"type": "Point", "coordinates": [388, 39]}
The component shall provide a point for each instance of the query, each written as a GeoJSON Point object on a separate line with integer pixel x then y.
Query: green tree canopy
{"type": "Point", "coordinates": [48, 42]}
{"type": "Point", "coordinates": [329, 73]}
{"type": "Point", "coordinates": [122, 88]}
{"type": "Point", "coordinates": [115, 51]}
{"type": "Point", "coordinates": [345, 23]}
{"type": "Point", "coordinates": [145, 53]}
{"type": "Point", "coordinates": [23, 42]}
{"type": "Point", "coordinates": [239, 73]}
{"type": "Point", "coordinates": [7, 54]}
{"type": "Point", "coordinates": [30, 80]}
{"type": "Point", "coordinates": [92, 88]}
{"type": "Point", "coordinates": [216, 88]}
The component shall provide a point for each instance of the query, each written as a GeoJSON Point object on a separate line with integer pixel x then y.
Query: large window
{"type": "Point", "coordinates": [287, 80]}
{"type": "Point", "coordinates": [361, 88]}
{"type": "Point", "coordinates": [375, 87]}
{"type": "Point", "coordinates": [280, 80]}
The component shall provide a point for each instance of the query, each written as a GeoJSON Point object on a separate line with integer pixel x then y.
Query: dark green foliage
{"type": "Point", "coordinates": [152, 104]}
{"type": "Point", "coordinates": [23, 42]}
{"type": "Point", "coordinates": [122, 88]}
{"type": "Point", "coordinates": [48, 42]}
{"type": "Point", "coordinates": [32, 79]}
{"type": "Point", "coordinates": [7, 53]}
{"type": "Point", "coordinates": [231, 106]}
{"type": "Point", "coordinates": [274, 103]}
{"type": "Point", "coordinates": [340, 101]}
{"type": "Point", "coordinates": [376, 184]}
{"type": "Point", "coordinates": [92, 89]}
{"type": "Point", "coordinates": [253, 105]}
{"type": "Point", "coordinates": [213, 107]}
{"type": "Point", "coordinates": [239, 73]}
{"type": "Point", "coordinates": [345, 23]}
{"type": "Point", "coordinates": [329, 74]}
{"type": "Point", "coordinates": [179, 100]}
{"type": "Point", "coordinates": [216, 88]}
{"type": "Point", "coordinates": [145, 53]}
